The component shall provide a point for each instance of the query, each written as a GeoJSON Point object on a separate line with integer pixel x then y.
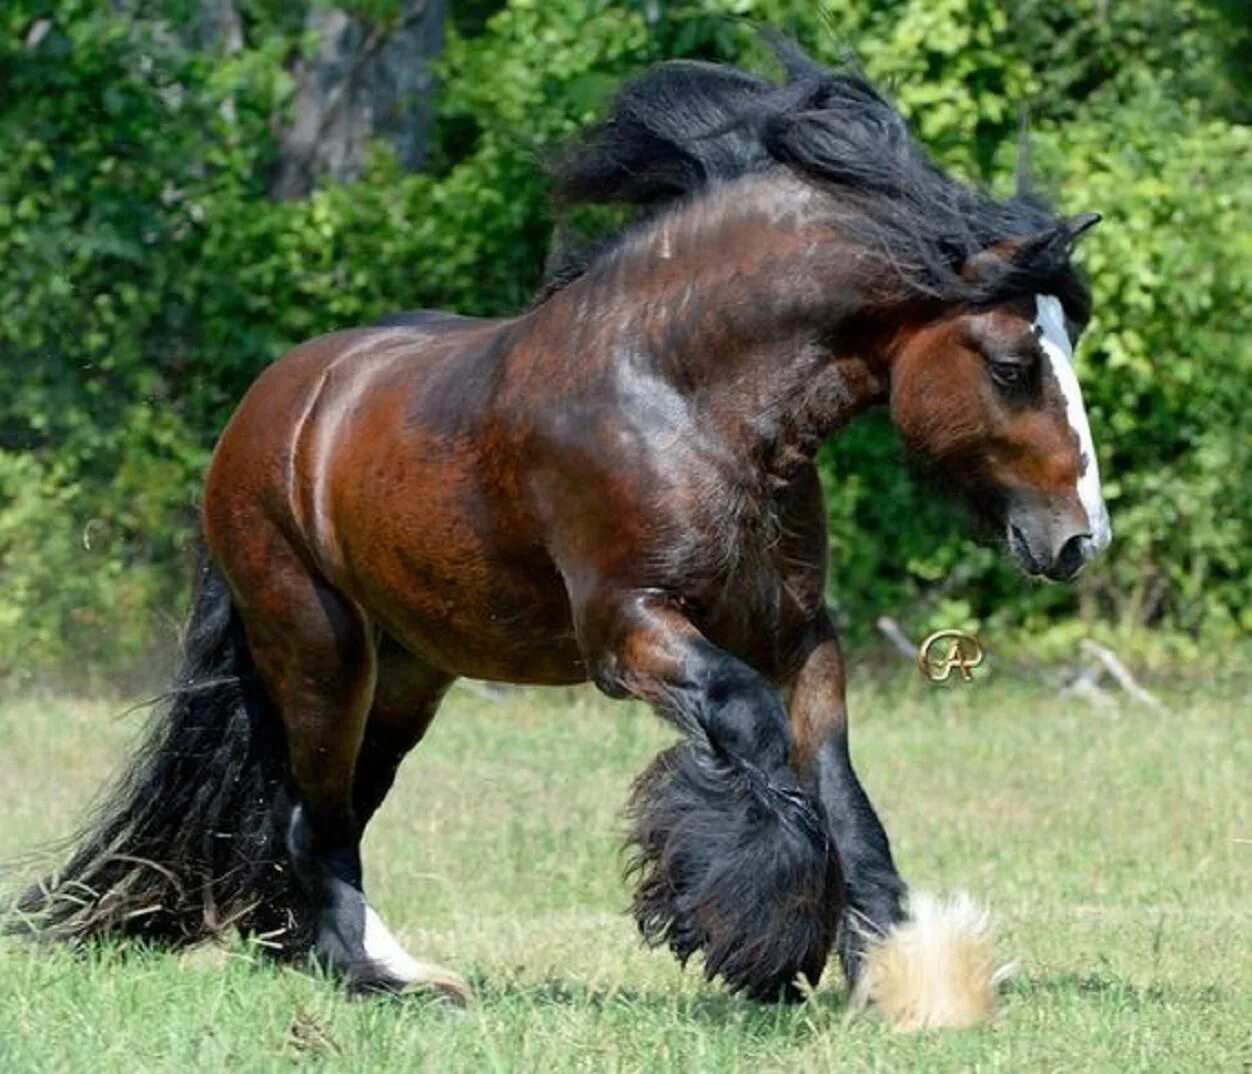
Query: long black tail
{"type": "Point", "coordinates": [191, 839]}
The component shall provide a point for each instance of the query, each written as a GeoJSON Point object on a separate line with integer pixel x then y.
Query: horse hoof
{"type": "Point", "coordinates": [936, 970]}
{"type": "Point", "coordinates": [374, 963]}
{"type": "Point", "coordinates": [425, 981]}
{"type": "Point", "coordinates": [443, 985]}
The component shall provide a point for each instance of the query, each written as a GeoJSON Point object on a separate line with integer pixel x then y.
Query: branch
{"type": "Point", "coordinates": [1087, 686]}
{"type": "Point", "coordinates": [1108, 660]}
{"type": "Point", "coordinates": [890, 630]}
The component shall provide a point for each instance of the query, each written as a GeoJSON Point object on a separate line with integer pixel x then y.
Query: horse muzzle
{"type": "Point", "coordinates": [1051, 543]}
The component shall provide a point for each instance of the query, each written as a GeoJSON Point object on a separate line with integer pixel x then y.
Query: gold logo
{"type": "Point", "coordinates": [948, 649]}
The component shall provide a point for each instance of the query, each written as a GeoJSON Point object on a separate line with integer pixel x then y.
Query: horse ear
{"type": "Point", "coordinates": [1078, 225]}
{"type": "Point", "coordinates": [978, 267]}
{"type": "Point", "coordinates": [996, 258]}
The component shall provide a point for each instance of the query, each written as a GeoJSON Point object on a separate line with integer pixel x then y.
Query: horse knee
{"type": "Point", "coordinates": [641, 646]}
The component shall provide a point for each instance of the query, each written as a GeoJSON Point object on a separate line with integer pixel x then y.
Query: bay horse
{"type": "Point", "coordinates": [617, 485]}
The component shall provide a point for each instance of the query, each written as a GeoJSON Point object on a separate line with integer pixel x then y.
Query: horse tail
{"type": "Point", "coordinates": [192, 837]}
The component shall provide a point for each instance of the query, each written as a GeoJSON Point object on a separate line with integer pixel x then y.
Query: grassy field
{"type": "Point", "coordinates": [1115, 847]}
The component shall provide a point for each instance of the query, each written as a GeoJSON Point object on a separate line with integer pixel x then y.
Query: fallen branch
{"type": "Point", "coordinates": [1087, 686]}
{"type": "Point", "coordinates": [890, 630]}
{"type": "Point", "coordinates": [1108, 660]}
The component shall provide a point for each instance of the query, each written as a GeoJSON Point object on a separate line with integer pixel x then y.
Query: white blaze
{"type": "Point", "coordinates": [1050, 321]}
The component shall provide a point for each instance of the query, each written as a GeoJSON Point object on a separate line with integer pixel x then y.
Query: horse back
{"type": "Point", "coordinates": [427, 320]}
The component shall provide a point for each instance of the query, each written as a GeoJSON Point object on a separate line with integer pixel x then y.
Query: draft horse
{"type": "Point", "coordinates": [616, 485]}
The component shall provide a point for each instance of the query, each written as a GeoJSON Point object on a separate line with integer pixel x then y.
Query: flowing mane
{"type": "Point", "coordinates": [685, 126]}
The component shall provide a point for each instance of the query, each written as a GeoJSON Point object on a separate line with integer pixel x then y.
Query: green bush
{"type": "Point", "coordinates": [146, 277]}
{"type": "Point", "coordinates": [62, 601]}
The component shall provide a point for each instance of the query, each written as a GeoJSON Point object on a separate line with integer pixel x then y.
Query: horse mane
{"type": "Point", "coordinates": [685, 126]}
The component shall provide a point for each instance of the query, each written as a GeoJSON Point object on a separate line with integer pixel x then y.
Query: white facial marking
{"type": "Point", "coordinates": [384, 950]}
{"type": "Point", "coordinates": [1050, 321]}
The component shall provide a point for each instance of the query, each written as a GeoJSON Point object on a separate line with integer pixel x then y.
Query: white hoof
{"type": "Point", "coordinates": [390, 968]}
{"type": "Point", "coordinates": [936, 970]}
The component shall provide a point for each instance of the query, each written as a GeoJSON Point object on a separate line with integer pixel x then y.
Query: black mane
{"type": "Point", "coordinates": [684, 126]}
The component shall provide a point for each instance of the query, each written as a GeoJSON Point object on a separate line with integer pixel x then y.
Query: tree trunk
{"type": "Point", "coordinates": [361, 82]}
{"type": "Point", "coordinates": [217, 27]}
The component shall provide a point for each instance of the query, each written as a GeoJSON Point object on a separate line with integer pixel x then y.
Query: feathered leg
{"type": "Point", "coordinates": [922, 962]}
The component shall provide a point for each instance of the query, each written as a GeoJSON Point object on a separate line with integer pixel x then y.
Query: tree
{"type": "Point", "coordinates": [147, 273]}
{"type": "Point", "coordinates": [364, 79]}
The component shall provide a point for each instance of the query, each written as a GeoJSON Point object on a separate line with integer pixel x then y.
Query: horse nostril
{"type": "Point", "coordinates": [1073, 554]}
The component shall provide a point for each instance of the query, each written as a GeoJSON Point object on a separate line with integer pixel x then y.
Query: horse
{"type": "Point", "coordinates": [616, 485]}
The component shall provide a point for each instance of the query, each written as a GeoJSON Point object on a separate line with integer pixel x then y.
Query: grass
{"type": "Point", "coordinates": [1111, 844]}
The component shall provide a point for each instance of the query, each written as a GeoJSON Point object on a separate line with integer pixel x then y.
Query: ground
{"type": "Point", "coordinates": [1115, 847]}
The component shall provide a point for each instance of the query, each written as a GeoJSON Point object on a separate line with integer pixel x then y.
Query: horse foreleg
{"type": "Point", "coordinates": [873, 889]}
{"type": "Point", "coordinates": [731, 851]}
{"type": "Point", "coordinates": [932, 967]}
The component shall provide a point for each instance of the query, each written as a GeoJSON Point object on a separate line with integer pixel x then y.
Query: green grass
{"type": "Point", "coordinates": [1111, 844]}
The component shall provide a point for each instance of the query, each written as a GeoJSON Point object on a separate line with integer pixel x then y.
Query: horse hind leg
{"type": "Point", "coordinates": [406, 698]}
{"type": "Point", "coordinates": [407, 695]}
{"type": "Point", "coordinates": [314, 651]}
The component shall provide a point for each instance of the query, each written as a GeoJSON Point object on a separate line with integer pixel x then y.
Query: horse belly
{"type": "Point", "coordinates": [444, 573]}
{"type": "Point", "coordinates": [508, 633]}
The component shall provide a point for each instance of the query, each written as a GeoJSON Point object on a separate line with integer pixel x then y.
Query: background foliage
{"type": "Point", "coordinates": [146, 275]}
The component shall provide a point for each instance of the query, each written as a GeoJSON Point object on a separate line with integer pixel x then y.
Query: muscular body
{"type": "Point", "coordinates": [632, 541]}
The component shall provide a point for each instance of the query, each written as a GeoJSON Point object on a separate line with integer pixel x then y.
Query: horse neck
{"type": "Point", "coordinates": [742, 301]}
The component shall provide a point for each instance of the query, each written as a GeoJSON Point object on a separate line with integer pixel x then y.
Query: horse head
{"type": "Point", "coordinates": [987, 395]}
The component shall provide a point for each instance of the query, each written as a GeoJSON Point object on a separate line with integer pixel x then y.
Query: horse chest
{"type": "Point", "coordinates": [758, 583]}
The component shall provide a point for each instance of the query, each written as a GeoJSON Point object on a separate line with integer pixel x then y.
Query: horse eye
{"type": "Point", "coordinates": [1010, 374]}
